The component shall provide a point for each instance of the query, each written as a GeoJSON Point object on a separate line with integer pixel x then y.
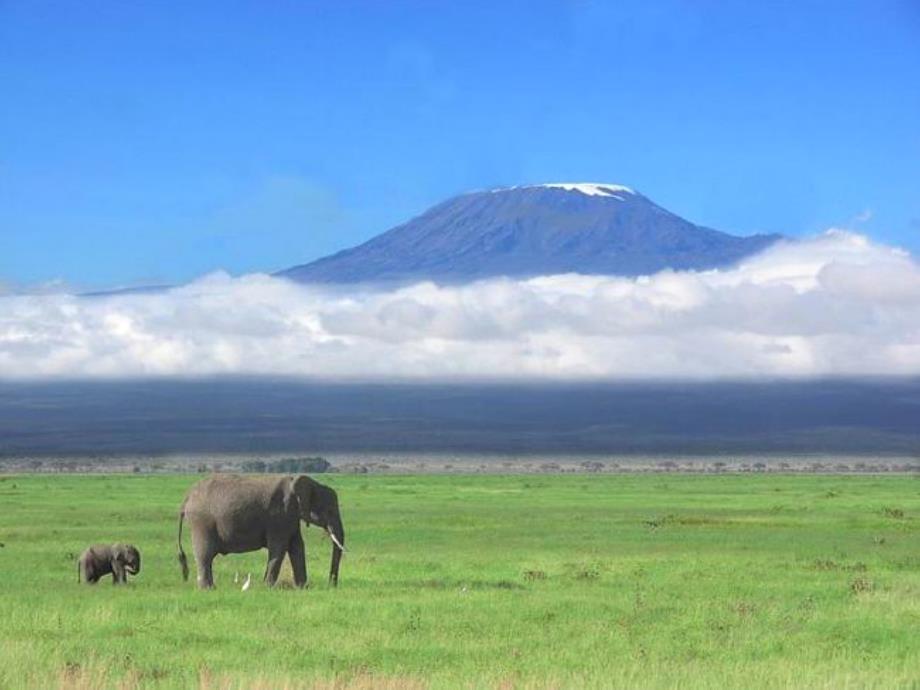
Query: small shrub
{"type": "Point", "coordinates": [894, 513]}
{"type": "Point", "coordinates": [861, 585]}
{"type": "Point", "coordinates": [807, 604]}
{"type": "Point", "coordinates": [480, 585]}
{"type": "Point", "coordinates": [660, 521]}
{"type": "Point", "coordinates": [587, 572]}
{"type": "Point", "coordinates": [72, 668]}
{"type": "Point", "coordinates": [827, 564]}
{"type": "Point", "coordinates": [434, 584]}
{"type": "Point", "coordinates": [415, 622]}
{"type": "Point", "coordinates": [743, 609]}
{"type": "Point", "coordinates": [156, 673]}
{"type": "Point", "coordinates": [534, 575]}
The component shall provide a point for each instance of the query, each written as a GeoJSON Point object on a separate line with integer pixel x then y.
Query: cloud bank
{"type": "Point", "coordinates": [837, 304]}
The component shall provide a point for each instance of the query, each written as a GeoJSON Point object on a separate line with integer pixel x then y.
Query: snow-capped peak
{"type": "Point", "coordinates": [588, 188]}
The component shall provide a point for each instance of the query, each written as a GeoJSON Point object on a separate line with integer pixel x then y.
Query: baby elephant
{"type": "Point", "coordinates": [100, 560]}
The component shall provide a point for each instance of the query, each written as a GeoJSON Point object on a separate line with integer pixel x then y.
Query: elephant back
{"type": "Point", "coordinates": [237, 505]}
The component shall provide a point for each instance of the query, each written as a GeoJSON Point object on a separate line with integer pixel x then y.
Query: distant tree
{"type": "Point", "coordinates": [255, 466]}
{"type": "Point", "coordinates": [313, 465]}
{"type": "Point", "coordinates": [310, 465]}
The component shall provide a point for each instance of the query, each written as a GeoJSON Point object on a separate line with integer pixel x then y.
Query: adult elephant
{"type": "Point", "coordinates": [234, 514]}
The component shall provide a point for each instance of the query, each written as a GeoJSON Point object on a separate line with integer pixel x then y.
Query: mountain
{"type": "Point", "coordinates": [534, 230]}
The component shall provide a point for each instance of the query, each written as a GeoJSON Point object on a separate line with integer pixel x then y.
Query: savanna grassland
{"type": "Point", "coordinates": [634, 581]}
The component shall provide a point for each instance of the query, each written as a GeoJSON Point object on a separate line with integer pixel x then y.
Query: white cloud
{"type": "Point", "coordinates": [837, 304]}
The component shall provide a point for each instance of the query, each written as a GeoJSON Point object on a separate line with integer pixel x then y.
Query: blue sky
{"type": "Point", "coordinates": [154, 142]}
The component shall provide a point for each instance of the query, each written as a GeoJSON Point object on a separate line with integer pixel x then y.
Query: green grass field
{"type": "Point", "coordinates": [634, 581]}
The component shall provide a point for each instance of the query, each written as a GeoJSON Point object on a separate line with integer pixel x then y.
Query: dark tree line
{"type": "Point", "coordinates": [287, 466]}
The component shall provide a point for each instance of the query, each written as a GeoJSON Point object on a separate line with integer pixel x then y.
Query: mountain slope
{"type": "Point", "coordinates": [535, 230]}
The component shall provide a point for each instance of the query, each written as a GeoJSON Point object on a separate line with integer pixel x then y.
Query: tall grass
{"type": "Point", "coordinates": [634, 581]}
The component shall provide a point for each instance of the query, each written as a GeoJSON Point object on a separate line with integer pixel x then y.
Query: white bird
{"type": "Point", "coordinates": [247, 582]}
{"type": "Point", "coordinates": [236, 577]}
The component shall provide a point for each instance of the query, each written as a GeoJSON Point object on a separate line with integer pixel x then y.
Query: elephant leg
{"type": "Point", "coordinates": [118, 573]}
{"type": "Point", "coordinates": [204, 543]}
{"type": "Point", "coordinates": [276, 551]}
{"type": "Point", "coordinates": [89, 574]}
{"type": "Point", "coordinates": [298, 556]}
{"type": "Point", "coordinates": [204, 562]}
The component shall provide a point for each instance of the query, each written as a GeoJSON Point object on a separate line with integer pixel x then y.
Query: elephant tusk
{"type": "Point", "coordinates": [335, 541]}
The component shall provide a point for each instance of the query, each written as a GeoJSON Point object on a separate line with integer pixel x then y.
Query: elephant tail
{"type": "Point", "coordinates": [183, 561]}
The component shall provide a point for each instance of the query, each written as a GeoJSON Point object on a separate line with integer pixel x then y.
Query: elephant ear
{"type": "Point", "coordinates": [119, 553]}
{"type": "Point", "coordinates": [302, 490]}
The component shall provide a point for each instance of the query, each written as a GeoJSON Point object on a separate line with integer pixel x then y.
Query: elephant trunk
{"type": "Point", "coordinates": [338, 543]}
